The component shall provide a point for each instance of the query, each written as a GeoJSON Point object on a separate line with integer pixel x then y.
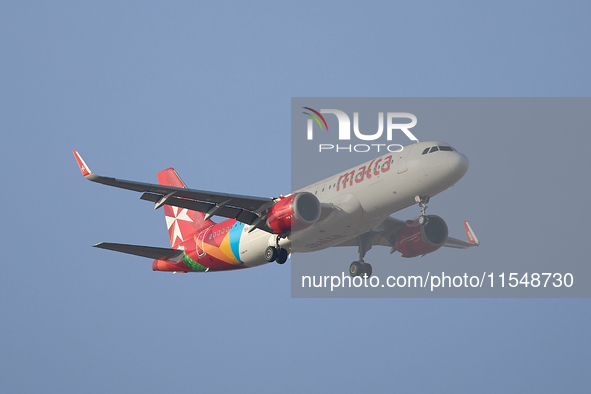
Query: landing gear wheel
{"type": "Point", "coordinates": [423, 220]}
{"type": "Point", "coordinates": [355, 269]}
{"type": "Point", "coordinates": [270, 253]}
{"type": "Point", "coordinates": [366, 268]}
{"type": "Point", "coordinates": [281, 256]}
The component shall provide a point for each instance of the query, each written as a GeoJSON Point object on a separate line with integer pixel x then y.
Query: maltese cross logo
{"type": "Point", "coordinates": [174, 219]}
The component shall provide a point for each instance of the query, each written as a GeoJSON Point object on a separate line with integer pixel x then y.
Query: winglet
{"type": "Point", "coordinates": [470, 234]}
{"type": "Point", "coordinates": [83, 167]}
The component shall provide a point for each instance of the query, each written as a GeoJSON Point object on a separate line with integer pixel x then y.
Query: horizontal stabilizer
{"type": "Point", "coordinates": [142, 251]}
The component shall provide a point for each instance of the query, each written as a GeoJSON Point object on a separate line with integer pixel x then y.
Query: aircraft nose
{"type": "Point", "coordinates": [458, 163]}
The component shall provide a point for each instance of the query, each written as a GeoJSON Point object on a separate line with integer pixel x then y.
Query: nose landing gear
{"type": "Point", "coordinates": [422, 200]}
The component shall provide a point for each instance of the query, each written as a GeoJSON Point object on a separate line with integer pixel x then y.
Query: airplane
{"type": "Point", "coordinates": [350, 208]}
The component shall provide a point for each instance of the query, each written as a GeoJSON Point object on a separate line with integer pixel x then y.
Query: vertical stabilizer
{"type": "Point", "coordinates": [182, 223]}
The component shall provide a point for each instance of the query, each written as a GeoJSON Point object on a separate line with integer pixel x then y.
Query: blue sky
{"type": "Point", "coordinates": [137, 87]}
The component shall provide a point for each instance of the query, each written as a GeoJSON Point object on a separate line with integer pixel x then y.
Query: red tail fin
{"type": "Point", "coordinates": [182, 223]}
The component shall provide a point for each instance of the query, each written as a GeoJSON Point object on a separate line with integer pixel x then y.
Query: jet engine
{"type": "Point", "coordinates": [417, 240]}
{"type": "Point", "coordinates": [295, 212]}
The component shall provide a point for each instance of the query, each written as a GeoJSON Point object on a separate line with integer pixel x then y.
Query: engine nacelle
{"type": "Point", "coordinates": [418, 240]}
{"type": "Point", "coordinates": [292, 213]}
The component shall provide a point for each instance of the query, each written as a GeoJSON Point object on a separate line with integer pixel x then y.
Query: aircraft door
{"type": "Point", "coordinates": [200, 250]}
{"type": "Point", "coordinates": [402, 157]}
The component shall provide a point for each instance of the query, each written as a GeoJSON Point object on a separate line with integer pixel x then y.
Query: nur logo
{"type": "Point", "coordinates": [345, 128]}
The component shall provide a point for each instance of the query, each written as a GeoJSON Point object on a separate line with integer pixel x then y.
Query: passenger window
{"type": "Point", "coordinates": [209, 236]}
{"type": "Point", "coordinates": [434, 149]}
{"type": "Point", "coordinates": [425, 151]}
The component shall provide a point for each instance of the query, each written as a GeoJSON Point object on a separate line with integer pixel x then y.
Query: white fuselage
{"type": "Point", "coordinates": [362, 197]}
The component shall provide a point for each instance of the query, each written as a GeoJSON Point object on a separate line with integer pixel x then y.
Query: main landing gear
{"type": "Point", "coordinates": [361, 268]}
{"type": "Point", "coordinates": [276, 253]}
{"type": "Point", "coordinates": [423, 201]}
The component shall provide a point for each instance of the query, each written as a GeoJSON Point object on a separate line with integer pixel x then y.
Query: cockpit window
{"type": "Point", "coordinates": [432, 149]}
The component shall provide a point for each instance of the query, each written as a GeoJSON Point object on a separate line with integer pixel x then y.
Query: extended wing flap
{"type": "Point", "coordinates": [142, 251]}
{"type": "Point", "coordinates": [226, 211]}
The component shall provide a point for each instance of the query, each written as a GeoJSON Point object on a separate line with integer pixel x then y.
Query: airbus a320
{"type": "Point", "coordinates": [351, 208]}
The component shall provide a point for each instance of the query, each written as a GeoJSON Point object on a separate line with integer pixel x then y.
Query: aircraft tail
{"type": "Point", "coordinates": [182, 223]}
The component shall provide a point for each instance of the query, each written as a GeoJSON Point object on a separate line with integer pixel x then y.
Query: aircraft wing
{"type": "Point", "coordinates": [385, 235]}
{"type": "Point", "coordinates": [245, 209]}
{"type": "Point", "coordinates": [459, 244]}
